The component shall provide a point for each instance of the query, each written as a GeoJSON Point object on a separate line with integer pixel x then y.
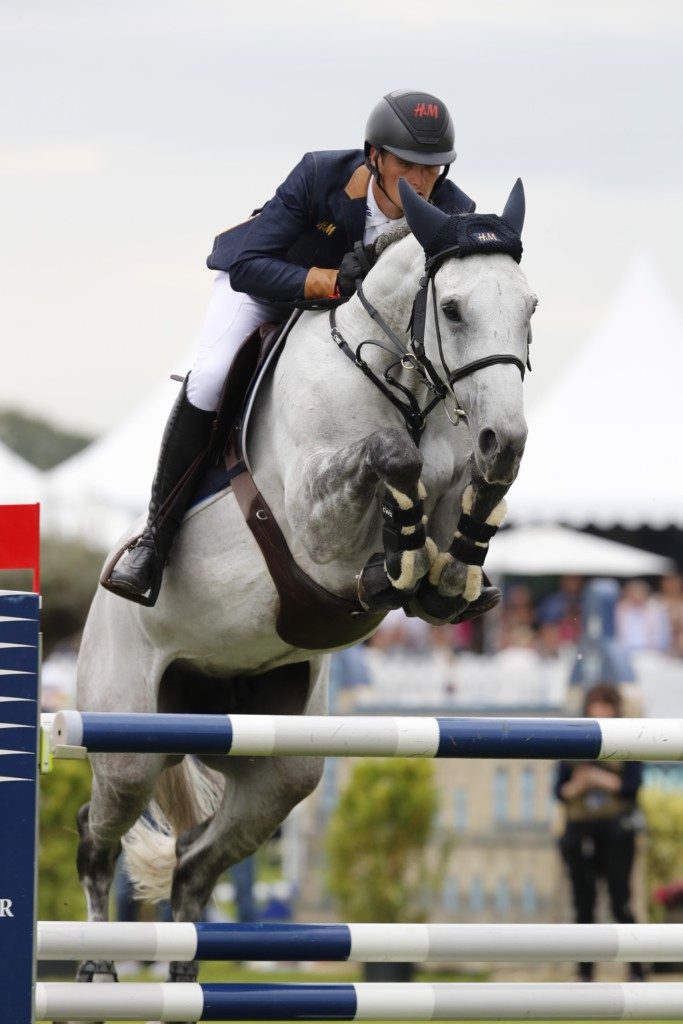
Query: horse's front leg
{"type": "Point", "coordinates": [456, 588]}
{"type": "Point", "coordinates": [335, 512]}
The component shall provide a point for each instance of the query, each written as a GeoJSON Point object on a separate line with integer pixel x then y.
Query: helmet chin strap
{"type": "Point", "coordinates": [374, 171]}
{"type": "Point", "coordinates": [442, 176]}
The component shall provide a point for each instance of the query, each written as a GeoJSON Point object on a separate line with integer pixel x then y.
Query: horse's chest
{"type": "Point", "coordinates": [445, 465]}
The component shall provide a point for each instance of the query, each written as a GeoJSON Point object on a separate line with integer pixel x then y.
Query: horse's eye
{"type": "Point", "coordinates": [451, 311]}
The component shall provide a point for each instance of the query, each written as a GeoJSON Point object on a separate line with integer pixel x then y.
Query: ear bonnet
{"type": "Point", "coordinates": [465, 234]}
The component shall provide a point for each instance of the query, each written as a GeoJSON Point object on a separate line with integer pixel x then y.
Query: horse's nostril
{"type": "Point", "coordinates": [488, 442]}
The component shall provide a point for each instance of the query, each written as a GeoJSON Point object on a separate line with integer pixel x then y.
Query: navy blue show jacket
{"type": "Point", "coordinates": [314, 218]}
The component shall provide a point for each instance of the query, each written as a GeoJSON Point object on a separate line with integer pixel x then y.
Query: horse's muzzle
{"type": "Point", "coordinates": [499, 452]}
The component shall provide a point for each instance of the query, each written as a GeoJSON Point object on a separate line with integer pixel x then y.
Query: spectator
{"type": "Point", "coordinates": [348, 668]}
{"type": "Point", "coordinates": [671, 597]}
{"type": "Point", "coordinates": [601, 820]}
{"type": "Point", "coordinates": [642, 623]}
{"type": "Point", "coordinates": [563, 609]}
{"type": "Point", "coordinates": [549, 641]}
{"type": "Point", "coordinates": [518, 617]}
{"type": "Point", "coordinates": [453, 637]}
{"type": "Point", "coordinates": [398, 632]}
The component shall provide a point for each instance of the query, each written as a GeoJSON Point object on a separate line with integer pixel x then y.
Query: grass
{"type": "Point", "coordinates": [218, 971]}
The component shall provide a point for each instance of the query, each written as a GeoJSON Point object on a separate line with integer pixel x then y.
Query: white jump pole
{"type": "Point", "coordinates": [619, 739]}
{"type": "Point", "coordinates": [365, 1001]}
{"type": "Point", "coordinates": [64, 940]}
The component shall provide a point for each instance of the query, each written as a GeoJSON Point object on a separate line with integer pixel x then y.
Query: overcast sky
{"type": "Point", "coordinates": [131, 133]}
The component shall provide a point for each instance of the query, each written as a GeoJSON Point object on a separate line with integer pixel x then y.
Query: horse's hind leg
{"type": "Point", "coordinates": [259, 794]}
{"type": "Point", "coordinates": [122, 786]}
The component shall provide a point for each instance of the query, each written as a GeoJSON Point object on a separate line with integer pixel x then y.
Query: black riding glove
{"type": "Point", "coordinates": [354, 267]}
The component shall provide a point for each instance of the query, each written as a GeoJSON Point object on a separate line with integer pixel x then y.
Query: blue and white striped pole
{"type": "Point", "coordinates": [371, 1001]}
{"type": "Point", "coordinates": [19, 713]}
{"type": "Point", "coordinates": [75, 940]}
{"type": "Point", "coordinates": [618, 739]}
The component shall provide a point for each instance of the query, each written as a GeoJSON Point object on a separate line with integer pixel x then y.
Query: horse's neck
{"type": "Point", "coordinates": [390, 287]}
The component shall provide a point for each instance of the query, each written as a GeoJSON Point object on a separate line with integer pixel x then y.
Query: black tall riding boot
{"type": "Point", "coordinates": [137, 575]}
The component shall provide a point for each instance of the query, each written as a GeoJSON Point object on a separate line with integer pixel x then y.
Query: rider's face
{"type": "Point", "coordinates": [420, 177]}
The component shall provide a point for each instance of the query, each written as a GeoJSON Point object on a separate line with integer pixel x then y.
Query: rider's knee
{"type": "Point", "coordinates": [204, 390]}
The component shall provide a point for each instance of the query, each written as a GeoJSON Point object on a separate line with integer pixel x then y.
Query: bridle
{"type": "Point", "coordinates": [415, 358]}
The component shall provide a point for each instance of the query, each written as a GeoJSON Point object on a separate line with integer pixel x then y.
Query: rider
{"type": "Point", "coordinates": [299, 246]}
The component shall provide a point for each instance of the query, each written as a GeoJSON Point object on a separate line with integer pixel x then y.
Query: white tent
{"type": "Point", "coordinates": [604, 444]}
{"type": "Point", "coordinates": [557, 551]}
{"type": "Point", "coordinates": [20, 482]}
{"type": "Point", "coordinates": [99, 492]}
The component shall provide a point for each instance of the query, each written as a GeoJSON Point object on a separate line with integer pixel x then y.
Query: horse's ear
{"type": "Point", "coordinates": [424, 220]}
{"type": "Point", "coordinates": [515, 208]}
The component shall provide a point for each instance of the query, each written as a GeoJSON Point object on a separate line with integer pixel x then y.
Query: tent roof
{"type": "Point", "coordinates": [20, 482]}
{"type": "Point", "coordinates": [98, 493]}
{"type": "Point", "coordinates": [557, 551]}
{"type": "Point", "coordinates": [604, 444]}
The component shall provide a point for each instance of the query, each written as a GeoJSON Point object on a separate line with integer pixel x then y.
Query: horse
{"type": "Point", "coordinates": [386, 472]}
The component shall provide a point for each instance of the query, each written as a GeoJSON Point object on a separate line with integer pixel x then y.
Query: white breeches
{"type": "Point", "coordinates": [231, 317]}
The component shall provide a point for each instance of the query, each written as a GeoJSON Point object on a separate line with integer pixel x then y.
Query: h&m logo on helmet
{"type": "Point", "coordinates": [486, 236]}
{"type": "Point", "coordinates": [426, 110]}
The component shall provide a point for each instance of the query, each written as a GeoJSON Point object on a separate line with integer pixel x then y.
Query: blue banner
{"type": "Point", "coordinates": [19, 734]}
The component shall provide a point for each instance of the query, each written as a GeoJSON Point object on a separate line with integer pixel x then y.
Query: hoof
{"type": "Point", "coordinates": [179, 970]}
{"type": "Point", "coordinates": [430, 605]}
{"type": "Point", "coordinates": [375, 590]}
{"type": "Point", "coordinates": [96, 970]}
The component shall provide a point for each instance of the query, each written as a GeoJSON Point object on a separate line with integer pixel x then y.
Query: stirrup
{"type": "Point", "coordinates": [150, 598]}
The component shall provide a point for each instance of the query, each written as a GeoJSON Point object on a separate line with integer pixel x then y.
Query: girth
{"type": "Point", "coordinates": [308, 615]}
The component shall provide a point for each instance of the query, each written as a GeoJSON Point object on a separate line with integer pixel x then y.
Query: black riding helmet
{"type": "Point", "coordinates": [414, 126]}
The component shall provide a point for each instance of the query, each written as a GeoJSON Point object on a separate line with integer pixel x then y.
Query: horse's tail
{"type": "Point", "coordinates": [185, 795]}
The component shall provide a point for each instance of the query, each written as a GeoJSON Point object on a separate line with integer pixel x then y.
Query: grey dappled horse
{"type": "Point", "coordinates": [328, 449]}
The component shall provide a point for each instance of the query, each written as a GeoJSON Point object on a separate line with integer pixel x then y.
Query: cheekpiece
{"type": "Point", "coordinates": [472, 234]}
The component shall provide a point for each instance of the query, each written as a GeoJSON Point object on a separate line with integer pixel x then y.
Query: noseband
{"type": "Point", "coordinates": [415, 358]}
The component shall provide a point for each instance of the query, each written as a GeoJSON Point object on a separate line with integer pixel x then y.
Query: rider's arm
{"type": "Point", "coordinates": [261, 268]}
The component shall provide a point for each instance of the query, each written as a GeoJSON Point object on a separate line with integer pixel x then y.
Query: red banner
{"type": "Point", "coordinates": [20, 539]}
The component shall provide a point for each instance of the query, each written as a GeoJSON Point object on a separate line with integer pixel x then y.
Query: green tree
{"type": "Point", "coordinates": [70, 574]}
{"type": "Point", "coordinates": [38, 441]}
{"type": "Point", "coordinates": [62, 792]}
{"type": "Point", "coordinates": [385, 863]}
{"type": "Point", "coordinates": [664, 861]}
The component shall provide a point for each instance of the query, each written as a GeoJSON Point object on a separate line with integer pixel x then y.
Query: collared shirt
{"type": "Point", "coordinates": [376, 222]}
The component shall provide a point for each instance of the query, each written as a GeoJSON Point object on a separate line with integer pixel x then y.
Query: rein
{"type": "Point", "coordinates": [416, 417]}
{"type": "Point", "coordinates": [409, 408]}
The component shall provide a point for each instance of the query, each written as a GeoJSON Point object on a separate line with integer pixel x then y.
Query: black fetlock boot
{"type": "Point", "coordinates": [137, 575]}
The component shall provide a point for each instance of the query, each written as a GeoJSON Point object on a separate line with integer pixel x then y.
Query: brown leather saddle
{"type": "Point", "coordinates": [308, 616]}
